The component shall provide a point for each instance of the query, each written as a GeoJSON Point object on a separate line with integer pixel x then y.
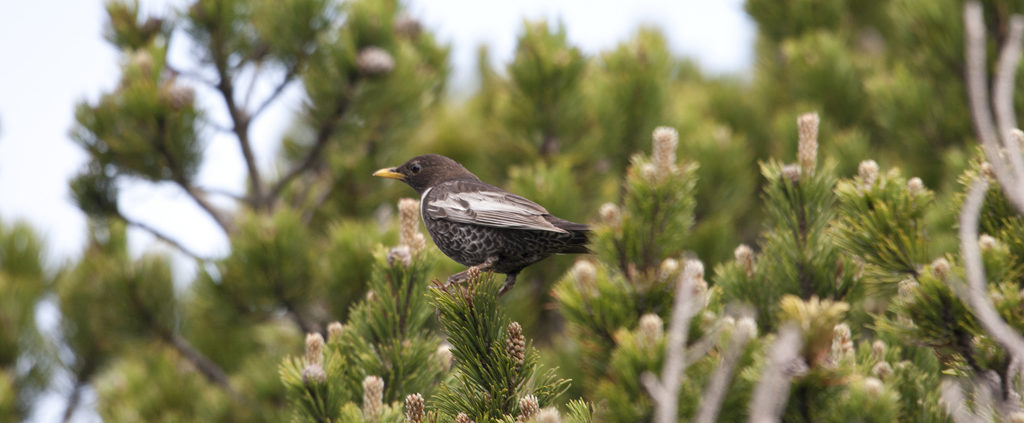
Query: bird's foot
{"type": "Point", "coordinates": [510, 279]}
{"type": "Point", "coordinates": [473, 272]}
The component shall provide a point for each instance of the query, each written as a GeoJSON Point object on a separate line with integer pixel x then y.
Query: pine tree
{"type": "Point", "coordinates": [25, 359]}
{"type": "Point", "coordinates": [846, 290]}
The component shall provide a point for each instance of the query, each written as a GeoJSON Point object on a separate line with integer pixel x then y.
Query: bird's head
{"type": "Point", "coordinates": [423, 172]}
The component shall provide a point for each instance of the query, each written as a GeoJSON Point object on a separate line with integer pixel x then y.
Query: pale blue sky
{"type": "Point", "coordinates": [52, 55]}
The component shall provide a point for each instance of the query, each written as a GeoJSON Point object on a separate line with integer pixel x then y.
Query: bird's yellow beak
{"type": "Point", "coordinates": [388, 173]}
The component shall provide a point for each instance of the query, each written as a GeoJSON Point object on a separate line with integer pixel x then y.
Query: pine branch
{"type": "Point", "coordinates": [323, 135]}
{"type": "Point", "coordinates": [206, 367]}
{"type": "Point", "coordinates": [178, 177]}
{"type": "Point", "coordinates": [239, 117]}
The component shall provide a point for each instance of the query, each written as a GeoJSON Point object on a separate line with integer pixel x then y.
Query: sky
{"type": "Point", "coordinates": [53, 56]}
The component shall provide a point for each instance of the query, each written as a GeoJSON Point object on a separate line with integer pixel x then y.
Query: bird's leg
{"type": "Point", "coordinates": [510, 279]}
{"type": "Point", "coordinates": [463, 275]}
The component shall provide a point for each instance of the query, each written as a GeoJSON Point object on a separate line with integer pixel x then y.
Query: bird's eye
{"type": "Point", "coordinates": [415, 168]}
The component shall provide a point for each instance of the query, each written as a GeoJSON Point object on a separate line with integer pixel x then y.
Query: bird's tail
{"type": "Point", "coordinates": [580, 237]}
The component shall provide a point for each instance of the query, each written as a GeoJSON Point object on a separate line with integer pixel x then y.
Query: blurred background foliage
{"type": "Point", "coordinates": [568, 130]}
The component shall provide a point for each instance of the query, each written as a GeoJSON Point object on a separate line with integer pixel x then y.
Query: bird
{"type": "Point", "coordinates": [482, 226]}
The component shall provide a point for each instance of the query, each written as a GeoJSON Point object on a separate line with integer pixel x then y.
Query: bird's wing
{"type": "Point", "coordinates": [481, 204]}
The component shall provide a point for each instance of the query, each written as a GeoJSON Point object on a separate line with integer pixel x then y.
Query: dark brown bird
{"type": "Point", "coordinates": [481, 225]}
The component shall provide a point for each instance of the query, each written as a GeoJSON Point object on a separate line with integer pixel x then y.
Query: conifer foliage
{"type": "Point", "coordinates": [756, 264]}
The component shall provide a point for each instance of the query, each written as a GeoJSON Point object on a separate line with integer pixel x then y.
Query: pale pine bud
{"type": "Point", "coordinates": [694, 269]}
{"type": "Point", "coordinates": [374, 61]}
{"type": "Point", "coordinates": [666, 140]}
{"type": "Point", "coordinates": [515, 344]}
{"type": "Point", "coordinates": [178, 96]}
{"type": "Point", "coordinates": [371, 296]}
{"type": "Point", "coordinates": [987, 242]}
{"type": "Point", "coordinates": [610, 215]}
{"type": "Point", "coordinates": [878, 349]}
{"type": "Point", "coordinates": [747, 327]}
{"type": "Point", "coordinates": [915, 186]}
{"type": "Point", "coordinates": [988, 171]}
{"type": "Point", "coordinates": [408, 26]}
{"type": "Point", "coordinates": [444, 356]}
{"type": "Point", "coordinates": [473, 274]}
{"type": "Point", "coordinates": [409, 221]}
{"type": "Point", "coordinates": [726, 323]}
{"type": "Point", "coordinates": [414, 408]}
{"type": "Point", "coordinates": [314, 349]}
{"type": "Point", "coordinates": [313, 374]}
{"type": "Point", "coordinates": [941, 267]}
{"type": "Point", "coordinates": [668, 268]}
{"type": "Point", "coordinates": [549, 415]}
{"type": "Point", "coordinates": [873, 386]}
{"type": "Point", "coordinates": [881, 370]}
{"type": "Point", "coordinates": [650, 331]}
{"type": "Point", "coordinates": [1016, 141]}
{"type": "Point", "coordinates": [373, 396]}
{"type": "Point", "coordinates": [791, 172]}
{"type": "Point", "coordinates": [142, 60]}
{"type": "Point", "coordinates": [842, 344]}
{"type": "Point", "coordinates": [401, 254]}
{"type": "Point", "coordinates": [585, 275]}
{"type": "Point", "coordinates": [649, 172]}
{"type": "Point", "coordinates": [906, 290]}
{"type": "Point", "coordinates": [334, 331]}
{"type": "Point", "coordinates": [807, 148]}
{"type": "Point", "coordinates": [868, 172]}
{"type": "Point", "coordinates": [528, 407]}
{"type": "Point", "coordinates": [463, 418]}
{"type": "Point", "coordinates": [745, 257]}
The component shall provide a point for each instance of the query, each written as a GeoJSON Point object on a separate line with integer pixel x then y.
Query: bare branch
{"type": "Point", "coordinates": [73, 400]}
{"type": "Point", "coordinates": [205, 205]}
{"type": "Point", "coordinates": [323, 136]}
{"type": "Point", "coordinates": [289, 76]}
{"type": "Point", "coordinates": [1002, 95]}
{"type": "Point", "coordinates": [976, 292]}
{"type": "Point", "coordinates": [956, 403]}
{"type": "Point", "coordinates": [239, 118]}
{"type": "Point", "coordinates": [207, 367]}
{"type": "Point", "coordinates": [1006, 70]}
{"type": "Point", "coordinates": [772, 391]}
{"type": "Point", "coordinates": [981, 113]}
{"type": "Point", "coordinates": [711, 404]}
{"type": "Point", "coordinates": [162, 236]}
{"type": "Point", "coordinates": [665, 392]}
{"type": "Point", "coordinates": [221, 192]}
{"type": "Point", "coordinates": [188, 74]}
